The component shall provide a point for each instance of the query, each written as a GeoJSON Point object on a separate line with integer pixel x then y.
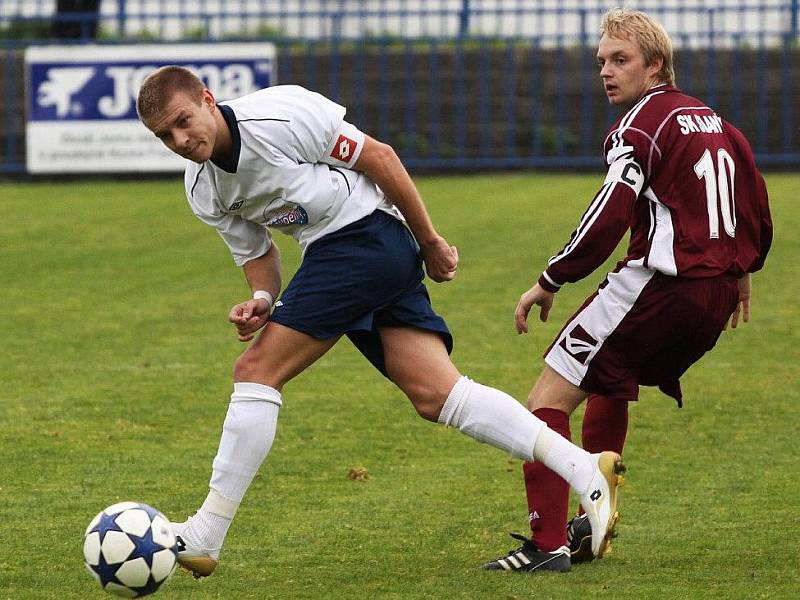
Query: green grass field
{"type": "Point", "coordinates": [115, 374]}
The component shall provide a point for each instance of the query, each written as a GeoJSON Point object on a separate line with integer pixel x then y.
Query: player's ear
{"type": "Point", "coordinates": [655, 67]}
{"type": "Point", "coordinates": [208, 98]}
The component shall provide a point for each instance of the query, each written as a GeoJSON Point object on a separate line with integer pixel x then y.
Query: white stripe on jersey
{"type": "Point", "coordinates": [618, 151]}
{"type": "Point", "coordinates": [599, 319]}
{"type": "Point", "coordinates": [625, 124]}
{"type": "Point", "coordinates": [588, 218]}
{"type": "Point", "coordinates": [625, 172]}
{"type": "Point", "coordinates": [652, 213]}
{"type": "Point", "coordinates": [550, 280]}
{"type": "Point", "coordinates": [662, 255]}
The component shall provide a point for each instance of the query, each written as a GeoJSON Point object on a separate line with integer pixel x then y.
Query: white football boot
{"type": "Point", "coordinates": [599, 501]}
{"type": "Point", "coordinates": [199, 562]}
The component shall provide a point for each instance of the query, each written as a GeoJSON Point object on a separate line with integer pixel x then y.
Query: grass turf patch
{"type": "Point", "coordinates": [116, 373]}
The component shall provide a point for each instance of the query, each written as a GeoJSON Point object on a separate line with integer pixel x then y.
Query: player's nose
{"type": "Point", "coordinates": [181, 139]}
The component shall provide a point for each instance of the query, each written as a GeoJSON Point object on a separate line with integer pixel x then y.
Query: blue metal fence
{"type": "Point", "coordinates": [453, 83]}
{"type": "Point", "coordinates": [328, 19]}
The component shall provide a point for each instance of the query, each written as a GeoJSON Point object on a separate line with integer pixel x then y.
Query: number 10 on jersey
{"type": "Point", "coordinates": [719, 193]}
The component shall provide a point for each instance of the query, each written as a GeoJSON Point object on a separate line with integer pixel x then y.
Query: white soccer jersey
{"type": "Point", "coordinates": [291, 170]}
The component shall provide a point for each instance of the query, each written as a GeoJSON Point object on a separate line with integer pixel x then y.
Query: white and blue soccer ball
{"type": "Point", "coordinates": [130, 549]}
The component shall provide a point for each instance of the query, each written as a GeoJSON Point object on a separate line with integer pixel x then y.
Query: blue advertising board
{"type": "Point", "coordinates": [81, 100]}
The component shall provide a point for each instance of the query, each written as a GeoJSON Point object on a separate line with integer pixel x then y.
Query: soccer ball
{"type": "Point", "coordinates": [130, 549]}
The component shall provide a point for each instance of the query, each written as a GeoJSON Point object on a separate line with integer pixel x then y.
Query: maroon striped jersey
{"type": "Point", "coordinates": [684, 181]}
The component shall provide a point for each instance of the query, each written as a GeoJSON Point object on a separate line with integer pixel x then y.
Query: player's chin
{"type": "Point", "coordinates": [198, 154]}
{"type": "Point", "coordinates": [618, 100]}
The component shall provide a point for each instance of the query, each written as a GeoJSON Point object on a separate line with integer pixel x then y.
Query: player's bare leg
{"type": "Point", "coordinates": [278, 354]}
{"type": "Point", "coordinates": [418, 363]}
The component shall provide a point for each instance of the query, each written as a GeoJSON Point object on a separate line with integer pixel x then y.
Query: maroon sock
{"type": "Point", "coordinates": [605, 425]}
{"type": "Point", "coordinates": [548, 493]}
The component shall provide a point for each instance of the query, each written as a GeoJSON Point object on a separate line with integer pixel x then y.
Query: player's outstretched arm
{"type": "Point", "coordinates": [743, 306]}
{"type": "Point", "coordinates": [536, 295]}
{"type": "Point", "coordinates": [263, 273]}
{"type": "Point", "coordinates": [380, 162]}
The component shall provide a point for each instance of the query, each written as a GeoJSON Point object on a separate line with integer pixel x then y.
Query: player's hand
{"type": "Point", "coordinates": [441, 259]}
{"type": "Point", "coordinates": [249, 317]}
{"type": "Point", "coordinates": [536, 295]}
{"type": "Point", "coordinates": [743, 305]}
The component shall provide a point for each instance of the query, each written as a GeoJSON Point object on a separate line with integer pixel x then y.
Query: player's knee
{"type": "Point", "coordinates": [535, 401]}
{"type": "Point", "coordinates": [250, 366]}
{"type": "Point", "coordinates": [551, 390]}
{"type": "Point", "coordinates": [552, 398]}
{"type": "Point", "coordinates": [428, 409]}
{"type": "Point", "coordinates": [427, 400]}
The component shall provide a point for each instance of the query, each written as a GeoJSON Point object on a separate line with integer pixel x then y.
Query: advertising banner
{"type": "Point", "coordinates": [81, 100]}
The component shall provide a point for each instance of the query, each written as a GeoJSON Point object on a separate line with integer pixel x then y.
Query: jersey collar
{"type": "Point", "coordinates": [661, 87]}
{"type": "Point", "coordinates": [231, 162]}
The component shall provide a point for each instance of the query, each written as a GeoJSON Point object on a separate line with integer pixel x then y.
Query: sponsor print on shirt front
{"type": "Point", "coordinates": [287, 214]}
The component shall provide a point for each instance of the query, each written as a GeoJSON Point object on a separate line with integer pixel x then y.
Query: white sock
{"type": "Point", "coordinates": [206, 529]}
{"type": "Point", "coordinates": [491, 416]}
{"type": "Point", "coordinates": [247, 435]}
{"type": "Point", "coordinates": [561, 456]}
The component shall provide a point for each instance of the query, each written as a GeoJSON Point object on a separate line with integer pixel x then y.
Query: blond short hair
{"type": "Point", "coordinates": [162, 84]}
{"type": "Point", "coordinates": [647, 33]}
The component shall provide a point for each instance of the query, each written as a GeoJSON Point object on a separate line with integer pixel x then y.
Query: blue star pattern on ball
{"type": "Point", "coordinates": [149, 588]}
{"type": "Point", "coordinates": [130, 549]}
{"type": "Point", "coordinates": [151, 512]}
{"type": "Point", "coordinates": [145, 547]}
{"type": "Point", "coordinates": [105, 524]}
{"type": "Point", "coordinates": [106, 572]}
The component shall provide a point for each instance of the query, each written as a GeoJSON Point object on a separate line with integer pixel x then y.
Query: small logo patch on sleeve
{"type": "Point", "coordinates": [344, 149]}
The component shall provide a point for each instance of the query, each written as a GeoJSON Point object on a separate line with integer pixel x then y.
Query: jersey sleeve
{"type": "Point", "coordinates": [320, 133]}
{"type": "Point", "coordinates": [245, 240]}
{"type": "Point", "coordinates": [753, 219]}
{"type": "Point", "coordinates": [764, 227]}
{"type": "Point", "coordinates": [602, 225]}
{"type": "Point", "coordinates": [345, 146]}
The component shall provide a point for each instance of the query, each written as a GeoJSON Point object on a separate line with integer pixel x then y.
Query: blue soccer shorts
{"type": "Point", "coordinates": [355, 280]}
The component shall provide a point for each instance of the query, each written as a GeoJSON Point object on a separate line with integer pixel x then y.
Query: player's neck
{"type": "Point", "coordinates": [223, 143]}
{"type": "Point", "coordinates": [650, 87]}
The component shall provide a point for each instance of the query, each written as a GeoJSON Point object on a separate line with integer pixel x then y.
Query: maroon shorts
{"type": "Point", "coordinates": [642, 327]}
